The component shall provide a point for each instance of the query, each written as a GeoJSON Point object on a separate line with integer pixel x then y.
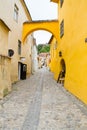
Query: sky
{"type": "Point", "coordinates": [42, 10]}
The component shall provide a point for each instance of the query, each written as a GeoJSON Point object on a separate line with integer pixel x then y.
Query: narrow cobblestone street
{"type": "Point", "coordinates": [39, 103]}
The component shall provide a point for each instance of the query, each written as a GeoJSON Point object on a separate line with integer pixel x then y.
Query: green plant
{"type": "Point", "coordinates": [42, 48]}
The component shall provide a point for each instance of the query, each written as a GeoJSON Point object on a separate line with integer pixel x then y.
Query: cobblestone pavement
{"type": "Point", "coordinates": [39, 103]}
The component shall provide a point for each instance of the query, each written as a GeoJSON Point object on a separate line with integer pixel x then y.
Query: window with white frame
{"type": "Point", "coordinates": [16, 13]}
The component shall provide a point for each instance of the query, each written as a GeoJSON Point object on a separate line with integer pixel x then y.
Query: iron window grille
{"type": "Point", "coordinates": [62, 29]}
{"type": "Point", "coordinates": [61, 3]}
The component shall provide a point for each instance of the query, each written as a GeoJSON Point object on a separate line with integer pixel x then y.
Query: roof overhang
{"type": "Point", "coordinates": [26, 10]}
{"type": "Point", "coordinates": [56, 1]}
{"type": "Point", "coordinates": [5, 24]}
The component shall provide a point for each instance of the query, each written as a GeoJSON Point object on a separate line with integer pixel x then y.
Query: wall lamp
{"type": "Point", "coordinates": [60, 53]}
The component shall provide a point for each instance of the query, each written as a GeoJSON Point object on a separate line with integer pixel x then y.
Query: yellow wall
{"type": "Point", "coordinates": [55, 66]}
{"type": "Point", "coordinates": [73, 46]}
{"type": "Point", "coordinates": [50, 26]}
{"type": "Point", "coordinates": [53, 53]}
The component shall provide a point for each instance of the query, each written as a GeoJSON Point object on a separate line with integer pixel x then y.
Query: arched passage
{"type": "Point", "coordinates": [63, 66]}
{"type": "Point", "coordinates": [61, 76]}
{"type": "Point", "coordinates": [50, 26]}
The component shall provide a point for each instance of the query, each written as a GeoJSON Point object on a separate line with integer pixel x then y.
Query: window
{"type": "Point", "coordinates": [19, 47]}
{"type": "Point", "coordinates": [62, 29]}
{"type": "Point", "coordinates": [16, 13]}
{"type": "Point", "coordinates": [61, 3]}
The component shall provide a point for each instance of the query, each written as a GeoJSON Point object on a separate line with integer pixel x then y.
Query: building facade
{"type": "Point", "coordinates": [53, 53]}
{"type": "Point", "coordinates": [34, 57]}
{"type": "Point", "coordinates": [70, 31]}
{"type": "Point", "coordinates": [72, 44]}
{"type": "Point", "coordinates": [15, 56]}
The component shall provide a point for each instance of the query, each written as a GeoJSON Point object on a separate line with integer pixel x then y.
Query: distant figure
{"type": "Point", "coordinates": [63, 73]}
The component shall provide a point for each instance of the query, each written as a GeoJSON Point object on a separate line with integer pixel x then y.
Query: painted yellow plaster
{"type": "Point", "coordinates": [53, 53]}
{"type": "Point", "coordinates": [50, 26]}
{"type": "Point", "coordinates": [54, 65]}
{"type": "Point", "coordinates": [74, 47]}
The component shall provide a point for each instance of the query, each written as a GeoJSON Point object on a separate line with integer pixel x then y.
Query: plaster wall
{"type": "Point", "coordinates": [74, 47]}
{"type": "Point", "coordinates": [7, 15]}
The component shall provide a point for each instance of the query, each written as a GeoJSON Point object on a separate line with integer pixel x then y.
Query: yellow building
{"type": "Point", "coordinates": [53, 54]}
{"type": "Point", "coordinates": [16, 66]}
{"type": "Point", "coordinates": [72, 46]}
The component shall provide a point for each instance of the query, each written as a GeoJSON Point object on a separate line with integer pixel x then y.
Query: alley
{"type": "Point", "coordinates": [39, 103]}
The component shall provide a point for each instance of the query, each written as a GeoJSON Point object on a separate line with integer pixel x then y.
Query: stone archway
{"type": "Point", "coordinates": [51, 26]}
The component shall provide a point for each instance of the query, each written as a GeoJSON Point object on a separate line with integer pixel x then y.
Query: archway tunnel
{"type": "Point", "coordinates": [62, 73]}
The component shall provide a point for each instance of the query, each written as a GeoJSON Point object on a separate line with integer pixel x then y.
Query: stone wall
{"type": "Point", "coordinates": [5, 81]}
